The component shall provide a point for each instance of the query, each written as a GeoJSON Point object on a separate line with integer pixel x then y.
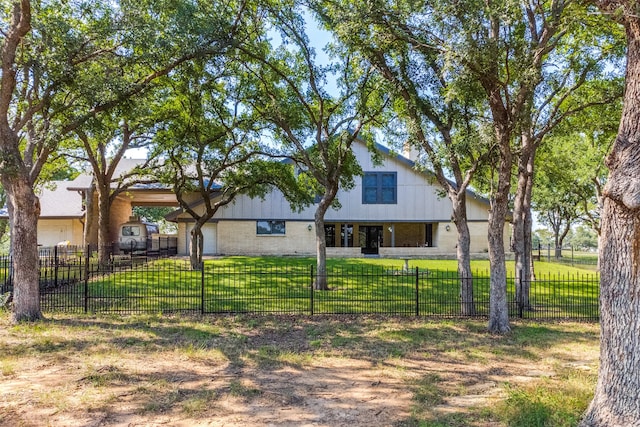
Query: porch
{"type": "Point", "coordinates": [392, 240]}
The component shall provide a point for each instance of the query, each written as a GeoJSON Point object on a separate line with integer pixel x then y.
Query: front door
{"type": "Point", "coordinates": [370, 239]}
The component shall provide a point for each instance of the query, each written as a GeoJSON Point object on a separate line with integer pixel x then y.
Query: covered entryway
{"type": "Point", "coordinates": [370, 239]}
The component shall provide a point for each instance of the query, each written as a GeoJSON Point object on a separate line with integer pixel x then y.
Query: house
{"type": "Point", "coordinates": [61, 214]}
{"type": "Point", "coordinates": [394, 210]}
{"type": "Point", "coordinates": [63, 207]}
{"type": "Point", "coordinates": [138, 194]}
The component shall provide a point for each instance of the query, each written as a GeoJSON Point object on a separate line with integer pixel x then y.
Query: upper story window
{"type": "Point", "coordinates": [380, 188]}
{"type": "Point", "coordinates": [270, 227]}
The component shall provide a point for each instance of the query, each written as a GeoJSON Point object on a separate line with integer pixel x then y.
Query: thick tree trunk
{"type": "Point", "coordinates": [616, 403]}
{"type": "Point", "coordinates": [90, 234]}
{"type": "Point", "coordinates": [24, 206]}
{"type": "Point", "coordinates": [498, 305]}
{"type": "Point", "coordinates": [467, 305]}
{"type": "Point", "coordinates": [105, 245]}
{"type": "Point", "coordinates": [197, 245]}
{"type": "Point", "coordinates": [24, 209]}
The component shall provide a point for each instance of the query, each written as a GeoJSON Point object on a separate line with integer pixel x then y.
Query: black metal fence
{"type": "Point", "coordinates": [68, 264]}
{"type": "Point", "coordinates": [135, 285]}
{"type": "Point", "coordinates": [564, 255]}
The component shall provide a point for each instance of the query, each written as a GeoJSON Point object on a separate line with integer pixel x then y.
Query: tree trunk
{"type": "Point", "coordinates": [557, 254]}
{"type": "Point", "coordinates": [24, 210]}
{"type": "Point", "coordinates": [498, 304]}
{"type": "Point", "coordinates": [522, 222]}
{"type": "Point", "coordinates": [24, 206]}
{"type": "Point", "coordinates": [528, 241]}
{"type": "Point", "coordinates": [197, 245]}
{"type": "Point", "coordinates": [616, 402]}
{"type": "Point", "coordinates": [89, 235]}
{"type": "Point", "coordinates": [105, 245]}
{"type": "Point", "coordinates": [467, 305]}
{"type": "Point", "coordinates": [321, 282]}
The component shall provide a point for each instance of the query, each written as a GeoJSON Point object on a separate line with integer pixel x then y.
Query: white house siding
{"type": "Point", "coordinates": [209, 237]}
{"type": "Point", "coordinates": [417, 200]}
{"type": "Point", "coordinates": [403, 223]}
{"type": "Point", "coordinates": [54, 231]}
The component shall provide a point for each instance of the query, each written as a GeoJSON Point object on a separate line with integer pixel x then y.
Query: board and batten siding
{"type": "Point", "coordinates": [417, 200]}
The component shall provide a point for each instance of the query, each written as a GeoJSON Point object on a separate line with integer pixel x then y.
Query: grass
{"type": "Point", "coordinates": [553, 402]}
{"type": "Point", "coordinates": [282, 285]}
{"type": "Point", "coordinates": [70, 370]}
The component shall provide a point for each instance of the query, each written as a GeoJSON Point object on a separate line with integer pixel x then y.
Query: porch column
{"type": "Point", "coordinates": [345, 238]}
{"type": "Point", "coordinates": [393, 235]}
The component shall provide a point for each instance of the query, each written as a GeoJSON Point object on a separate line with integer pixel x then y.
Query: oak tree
{"type": "Point", "coordinates": [616, 402]}
{"type": "Point", "coordinates": [314, 128]}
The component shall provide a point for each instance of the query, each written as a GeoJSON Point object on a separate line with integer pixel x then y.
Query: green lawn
{"type": "Point", "coordinates": [357, 286]}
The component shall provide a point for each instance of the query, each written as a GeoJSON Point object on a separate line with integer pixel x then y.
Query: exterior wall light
{"type": "Point", "coordinates": [448, 228]}
{"type": "Point", "coordinates": [309, 227]}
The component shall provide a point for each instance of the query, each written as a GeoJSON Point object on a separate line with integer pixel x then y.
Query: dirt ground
{"type": "Point", "coordinates": [267, 371]}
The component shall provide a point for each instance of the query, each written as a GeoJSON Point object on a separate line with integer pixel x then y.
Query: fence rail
{"type": "Point", "coordinates": [564, 255]}
{"type": "Point", "coordinates": [162, 286]}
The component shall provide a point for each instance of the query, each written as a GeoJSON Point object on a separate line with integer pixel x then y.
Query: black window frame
{"type": "Point", "coordinates": [271, 230]}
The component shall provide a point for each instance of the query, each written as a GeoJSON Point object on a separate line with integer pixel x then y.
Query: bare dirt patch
{"type": "Point", "coordinates": [280, 371]}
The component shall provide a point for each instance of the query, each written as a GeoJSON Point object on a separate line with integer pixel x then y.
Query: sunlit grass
{"type": "Point", "coordinates": [198, 403]}
{"type": "Point", "coordinates": [558, 401]}
{"type": "Point", "coordinates": [283, 285]}
{"type": "Point", "coordinates": [151, 360]}
{"type": "Point", "coordinates": [8, 368]}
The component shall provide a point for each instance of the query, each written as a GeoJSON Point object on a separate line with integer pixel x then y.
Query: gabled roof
{"type": "Point", "coordinates": [402, 159]}
{"type": "Point", "coordinates": [388, 153]}
{"type": "Point", "coordinates": [56, 201]}
{"type": "Point", "coordinates": [83, 181]}
{"type": "Point", "coordinates": [147, 194]}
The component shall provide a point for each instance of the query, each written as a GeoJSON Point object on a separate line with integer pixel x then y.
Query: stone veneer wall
{"type": "Point", "coordinates": [121, 210]}
{"type": "Point", "coordinates": [241, 238]}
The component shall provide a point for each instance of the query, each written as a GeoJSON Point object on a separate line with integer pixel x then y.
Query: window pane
{"type": "Point", "coordinates": [388, 179]}
{"type": "Point", "coordinates": [263, 227]}
{"type": "Point", "coordinates": [370, 195]}
{"type": "Point", "coordinates": [277, 227]}
{"type": "Point", "coordinates": [330, 235]}
{"type": "Point", "coordinates": [129, 230]}
{"type": "Point", "coordinates": [370, 180]}
{"type": "Point", "coordinates": [380, 187]}
{"type": "Point", "coordinates": [388, 195]}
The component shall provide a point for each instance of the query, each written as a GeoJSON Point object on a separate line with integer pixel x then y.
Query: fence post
{"type": "Point", "coordinates": [311, 296]}
{"type": "Point", "coordinates": [11, 271]}
{"type": "Point", "coordinates": [202, 287]}
{"type": "Point", "coordinates": [417, 291]}
{"type": "Point", "coordinates": [520, 296]}
{"type": "Point", "coordinates": [55, 266]}
{"type": "Point", "coordinates": [87, 254]}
